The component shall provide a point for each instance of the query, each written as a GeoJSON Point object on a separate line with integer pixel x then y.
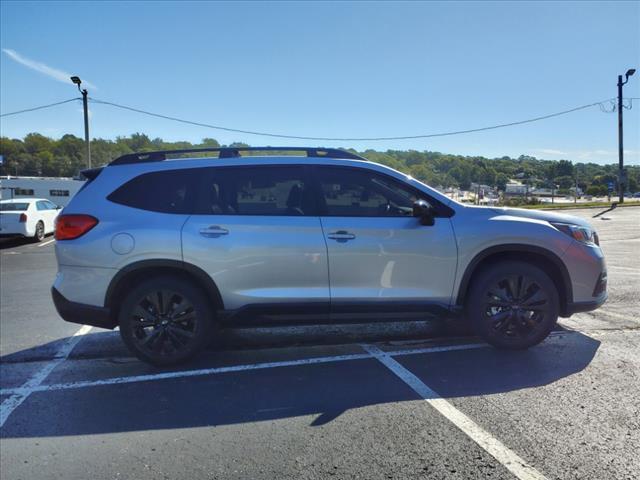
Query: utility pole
{"type": "Point", "coordinates": [85, 106]}
{"type": "Point", "coordinates": [621, 180]}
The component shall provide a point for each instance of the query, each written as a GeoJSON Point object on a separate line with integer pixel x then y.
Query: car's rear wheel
{"type": "Point", "coordinates": [39, 235]}
{"type": "Point", "coordinates": [513, 305]}
{"type": "Point", "coordinates": [166, 321]}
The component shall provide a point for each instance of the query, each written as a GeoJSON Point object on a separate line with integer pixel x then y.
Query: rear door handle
{"type": "Point", "coordinates": [213, 231]}
{"type": "Point", "coordinates": [341, 235]}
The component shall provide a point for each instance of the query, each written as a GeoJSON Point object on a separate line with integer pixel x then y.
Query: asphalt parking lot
{"type": "Point", "coordinates": [390, 401]}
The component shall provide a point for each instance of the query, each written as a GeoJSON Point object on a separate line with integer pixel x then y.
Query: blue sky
{"type": "Point", "coordinates": [359, 69]}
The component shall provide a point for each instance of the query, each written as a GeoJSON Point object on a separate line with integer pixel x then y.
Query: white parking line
{"type": "Point", "coordinates": [19, 394]}
{"type": "Point", "coordinates": [16, 399]}
{"type": "Point", "coordinates": [616, 267]}
{"type": "Point", "coordinates": [484, 439]}
{"type": "Point", "coordinates": [618, 315]}
{"type": "Point", "coordinates": [241, 368]}
{"type": "Point", "coordinates": [46, 243]}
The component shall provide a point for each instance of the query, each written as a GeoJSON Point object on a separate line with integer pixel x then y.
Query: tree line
{"type": "Point", "coordinates": [38, 155]}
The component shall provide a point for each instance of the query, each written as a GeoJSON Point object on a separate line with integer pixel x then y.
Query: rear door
{"type": "Point", "coordinates": [378, 252]}
{"type": "Point", "coordinates": [47, 213]}
{"type": "Point", "coordinates": [52, 214]}
{"type": "Point", "coordinates": [257, 234]}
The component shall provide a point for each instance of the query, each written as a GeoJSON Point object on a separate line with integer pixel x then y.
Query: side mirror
{"type": "Point", "coordinates": [58, 207]}
{"type": "Point", "coordinates": [424, 212]}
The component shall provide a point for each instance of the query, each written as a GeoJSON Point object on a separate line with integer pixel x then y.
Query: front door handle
{"type": "Point", "coordinates": [341, 236]}
{"type": "Point", "coordinates": [213, 231]}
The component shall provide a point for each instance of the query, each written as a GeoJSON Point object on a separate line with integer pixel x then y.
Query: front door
{"type": "Point", "coordinates": [379, 253]}
{"type": "Point", "coordinates": [257, 234]}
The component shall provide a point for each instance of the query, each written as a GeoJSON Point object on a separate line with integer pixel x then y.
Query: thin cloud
{"type": "Point", "coordinates": [598, 155]}
{"type": "Point", "coordinates": [51, 72]}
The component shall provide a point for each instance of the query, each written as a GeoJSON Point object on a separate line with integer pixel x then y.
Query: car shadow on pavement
{"type": "Point", "coordinates": [11, 242]}
{"type": "Point", "coordinates": [313, 393]}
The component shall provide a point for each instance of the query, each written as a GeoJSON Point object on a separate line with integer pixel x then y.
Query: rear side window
{"type": "Point", "coordinates": [13, 207]}
{"type": "Point", "coordinates": [256, 190]}
{"type": "Point", "coordinates": [169, 191]}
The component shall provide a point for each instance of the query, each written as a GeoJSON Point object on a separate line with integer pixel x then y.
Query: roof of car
{"type": "Point", "coordinates": [22, 200]}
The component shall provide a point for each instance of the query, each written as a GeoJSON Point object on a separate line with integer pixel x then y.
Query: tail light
{"type": "Point", "coordinates": [69, 227]}
{"type": "Point", "coordinates": [23, 218]}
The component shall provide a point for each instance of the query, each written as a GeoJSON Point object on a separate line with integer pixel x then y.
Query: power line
{"type": "Point", "coordinates": [601, 104]}
{"type": "Point", "coordinates": [296, 137]}
{"type": "Point", "coordinates": [40, 107]}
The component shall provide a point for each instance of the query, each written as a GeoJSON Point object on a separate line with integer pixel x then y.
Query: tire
{"type": "Point", "coordinates": [39, 235]}
{"type": "Point", "coordinates": [513, 305]}
{"type": "Point", "coordinates": [166, 321]}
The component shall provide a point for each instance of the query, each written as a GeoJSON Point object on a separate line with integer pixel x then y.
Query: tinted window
{"type": "Point", "coordinates": [362, 193]}
{"type": "Point", "coordinates": [168, 191]}
{"type": "Point", "coordinates": [13, 207]}
{"type": "Point", "coordinates": [50, 206]}
{"type": "Point", "coordinates": [42, 205]}
{"type": "Point", "coordinates": [23, 191]}
{"type": "Point", "coordinates": [59, 193]}
{"type": "Point", "coordinates": [262, 190]}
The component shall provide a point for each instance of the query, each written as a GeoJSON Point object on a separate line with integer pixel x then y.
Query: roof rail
{"type": "Point", "coordinates": [232, 152]}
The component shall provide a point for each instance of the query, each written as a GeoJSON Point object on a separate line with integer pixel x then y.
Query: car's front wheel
{"type": "Point", "coordinates": [513, 305]}
{"type": "Point", "coordinates": [165, 320]}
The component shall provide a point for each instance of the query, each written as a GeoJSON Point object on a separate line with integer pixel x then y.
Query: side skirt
{"type": "Point", "coordinates": [321, 313]}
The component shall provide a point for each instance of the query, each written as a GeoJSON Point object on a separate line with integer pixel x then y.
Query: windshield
{"type": "Point", "coordinates": [13, 207]}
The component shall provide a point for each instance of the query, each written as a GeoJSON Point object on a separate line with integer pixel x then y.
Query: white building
{"type": "Point", "coordinates": [57, 189]}
{"type": "Point", "coordinates": [515, 188]}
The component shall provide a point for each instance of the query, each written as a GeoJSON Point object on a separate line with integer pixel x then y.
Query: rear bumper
{"type": "Point", "coordinates": [80, 313]}
{"type": "Point", "coordinates": [16, 230]}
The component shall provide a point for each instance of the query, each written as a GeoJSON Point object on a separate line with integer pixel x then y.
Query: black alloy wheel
{"type": "Point", "coordinates": [513, 305]}
{"type": "Point", "coordinates": [516, 306]}
{"type": "Point", "coordinates": [165, 321]}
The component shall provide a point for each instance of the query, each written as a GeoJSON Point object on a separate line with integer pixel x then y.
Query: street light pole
{"type": "Point", "coordinates": [85, 107]}
{"type": "Point", "coordinates": [621, 182]}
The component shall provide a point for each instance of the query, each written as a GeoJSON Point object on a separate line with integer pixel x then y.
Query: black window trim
{"type": "Point", "coordinates": [441, 210]}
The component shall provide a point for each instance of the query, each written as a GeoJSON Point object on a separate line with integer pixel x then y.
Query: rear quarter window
{"type": "Point", "coordinates": [168, 191]}
{"type": "Point", "coordinates": [13, 207]}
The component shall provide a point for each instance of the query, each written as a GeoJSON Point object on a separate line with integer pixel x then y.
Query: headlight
{"type": "Point", "coordinates": [584, 235]}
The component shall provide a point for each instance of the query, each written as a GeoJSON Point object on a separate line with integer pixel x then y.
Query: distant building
{"type": "Point", "coordinates": [59, 190]}
{"type": "Point", "coordinates": [515, 188]}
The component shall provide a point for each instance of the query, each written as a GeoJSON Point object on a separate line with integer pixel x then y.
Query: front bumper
{"type": "Point", "coordinates": [577, 307]}
{"type": "Point", "coordinates": [80, 313]}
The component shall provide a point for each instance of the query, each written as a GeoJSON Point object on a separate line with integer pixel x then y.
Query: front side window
{"type": "Point", "coordinates": [363, 193]}
{"type": "Point", "coordinates": [168, 191]}
{"type": "Point", "coordinates": [256, 190]}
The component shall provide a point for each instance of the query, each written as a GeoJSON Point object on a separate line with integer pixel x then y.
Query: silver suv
{"type": "Point", "coordinates": [170, 249]}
